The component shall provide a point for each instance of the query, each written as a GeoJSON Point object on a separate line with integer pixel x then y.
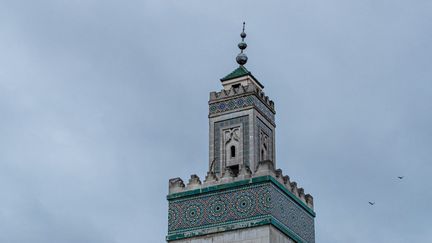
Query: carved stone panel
{"type": "Point", "coordinates": [228, 133]}
{"type": "Point", "coordinates": [264, 141]}
{"type": "Point", "coordinates": [232, 146]}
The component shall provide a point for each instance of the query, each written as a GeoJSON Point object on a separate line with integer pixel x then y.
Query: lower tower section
{"type": "Point", "coordinates": [247, 208]}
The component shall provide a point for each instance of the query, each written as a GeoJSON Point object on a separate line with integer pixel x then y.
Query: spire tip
{"type": "Point", "coordinates": [241, 57]}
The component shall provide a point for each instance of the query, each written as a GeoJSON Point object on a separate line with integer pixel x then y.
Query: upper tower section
{"type": "Point", "coordinates": [241, 120]}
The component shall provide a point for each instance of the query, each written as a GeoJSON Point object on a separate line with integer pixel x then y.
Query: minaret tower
{"type": "Point", "coordinates": [243, 197]}
{"type": "Point", "coordinates": [241, 121]}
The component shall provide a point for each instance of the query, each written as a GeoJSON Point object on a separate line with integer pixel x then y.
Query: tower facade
{"type": "Point", "coordinates": [243, 197]}
{"type": "Point", "coordinates": [241, 122]}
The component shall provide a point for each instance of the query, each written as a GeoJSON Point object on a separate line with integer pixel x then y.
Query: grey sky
{"type": "Point", "coordinates": [101, 102]}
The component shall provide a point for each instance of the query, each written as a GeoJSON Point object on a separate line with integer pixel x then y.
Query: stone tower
{"type": "Point", "coordinates": [243, 197]}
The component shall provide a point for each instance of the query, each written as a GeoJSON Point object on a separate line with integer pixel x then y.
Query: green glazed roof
{"type": "Point", "coordinates": [240, 72]}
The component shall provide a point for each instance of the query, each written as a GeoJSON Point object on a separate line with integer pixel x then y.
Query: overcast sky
{"type": "Point", "coordinates": [102, 102]}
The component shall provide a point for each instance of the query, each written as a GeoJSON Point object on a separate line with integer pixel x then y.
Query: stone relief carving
{"type": "Point", "coordinates": [232, 145]}
{"type": "Point", "coordinates": [264, 146]}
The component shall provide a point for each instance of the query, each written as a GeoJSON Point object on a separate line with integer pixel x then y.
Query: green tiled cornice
{"type": "Point", "coordinates": [241, 224]}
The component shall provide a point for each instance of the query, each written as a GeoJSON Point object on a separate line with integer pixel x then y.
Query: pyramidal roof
{"type": "Point", "coordinates": [240, 72]}
{"type": "Point", "coordinates": [237, 73]}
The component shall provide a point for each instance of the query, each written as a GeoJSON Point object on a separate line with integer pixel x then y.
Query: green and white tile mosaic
{"type": "Point", "coordinates": [242, 204]}
{"type": "Point", "coordinates": [241, 102]}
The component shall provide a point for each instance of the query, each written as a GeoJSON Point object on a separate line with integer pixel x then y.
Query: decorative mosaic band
{"type": "Point", "coordinates": [241, 102]}
{"type": "Point", "coordinates": [222, 210]}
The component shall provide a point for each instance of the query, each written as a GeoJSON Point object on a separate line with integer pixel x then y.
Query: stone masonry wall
{"type": "Point", "coordinates": [261, 234]}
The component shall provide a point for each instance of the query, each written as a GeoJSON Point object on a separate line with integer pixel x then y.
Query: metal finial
{"type": "Point", "coordinates": [241, 57]}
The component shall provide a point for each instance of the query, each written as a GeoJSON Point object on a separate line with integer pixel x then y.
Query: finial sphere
{"type": "Point", "coordinates": [241, 59]}
{"type": "Point", "coordinates": [242, 45]}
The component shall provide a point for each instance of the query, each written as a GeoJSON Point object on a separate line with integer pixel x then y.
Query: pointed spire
{"type": "Point", "coordinates": [241, 57]}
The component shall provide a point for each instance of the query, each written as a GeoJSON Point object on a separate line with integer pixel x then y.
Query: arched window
{"type": "Point", "coordinates": [233, 151]}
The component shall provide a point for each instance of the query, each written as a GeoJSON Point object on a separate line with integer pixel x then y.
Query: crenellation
{"type": "Point", "coordinates": [294, 188]}
{"type": "Point", "coordinates": [194, 182]}
{"type": "Point", "coordinates": [224, 94]}
{"type": "Point", "coordinates": [213, 95]}
{"type": "Point", "coordinates": [287, 182]}
{"type": "Point", "coordinates": [309, 200]}
{"type": "Point", "coordinates": [250, 88]}
{"type": "Point", "coordinates": [210, 179]}
{"type": "Point", "coordinates": [241, 91]}
{"type": "Point", "coordinates": [301, 194]}
{"type": "Point", "coordinates": [279, 175]}
{"type": "Point", "coordinates": [265, 168]}
{"type": "Point", "coordinates": [176, 185]}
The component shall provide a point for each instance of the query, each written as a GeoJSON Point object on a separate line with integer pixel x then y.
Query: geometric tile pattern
{"type": "Point", "coordinates": [293, 216]}
{"type": "Point", "coordinates": [242, 102]}
{"type": "Point", "coordinates": [235, 205]}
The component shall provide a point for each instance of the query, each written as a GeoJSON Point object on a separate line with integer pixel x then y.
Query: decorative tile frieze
{"type": "Point", "coordinates": [292, 216]}
{"type": "Point", "coordinates": [227, 209]}
{"type": "Point", "coordinates": [239, 103]}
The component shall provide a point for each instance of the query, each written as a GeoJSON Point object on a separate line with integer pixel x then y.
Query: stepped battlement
{"type": "Point", "coordinates": [265, 168]}
{"type": "Point", "coordinates": [241, 90]}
